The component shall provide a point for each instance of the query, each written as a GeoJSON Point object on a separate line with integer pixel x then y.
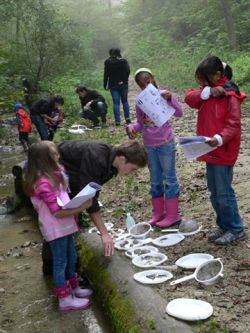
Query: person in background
{"type": "Point", "coordinates": [41, 111]}
{"type": "Point", "coordinates": [219, 118]}
{"type": "Point", "coordinates": [161, 147]}
{"type": "Point", "coordinates": [23, 125]}
{"type": "Point", "coordinates": [116, 74]}
{"type": "Point", "coordinates": [58, 117]}
{"type": "Point", "coordinates": [45, 181]}
{"type": "Point", "coordinates": [93, 106]}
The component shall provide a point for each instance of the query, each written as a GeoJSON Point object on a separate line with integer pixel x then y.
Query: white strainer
{"type": "Point", "coordinates": [206, 273]}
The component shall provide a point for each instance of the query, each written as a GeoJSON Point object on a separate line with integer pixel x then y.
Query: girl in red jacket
{"type": "Point", "coordinates": [219, 117]}
{"type": "Point", "coordinates": [23, 125]}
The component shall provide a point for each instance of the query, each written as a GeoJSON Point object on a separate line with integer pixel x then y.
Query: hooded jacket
{"type": "Point", "coordinates": [219, 116]}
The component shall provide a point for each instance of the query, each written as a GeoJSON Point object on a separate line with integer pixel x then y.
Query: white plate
{"type": "Point", "coordinates": [153, 276]}
{"type": "Point", "coordinates": [140, 250]}
{"type": "Point", "coordinates": [193, 260]}
{"type": "Point", "coordinates": [192, 232]}
{"type": "Point", "coordinates": [127, 243]}
{"type": "Point", "coordinates": [168, 240]}
{"type": "Point", "coordinates": [149, 260]}
{"type": "Point", "coordinates": [189, 309]}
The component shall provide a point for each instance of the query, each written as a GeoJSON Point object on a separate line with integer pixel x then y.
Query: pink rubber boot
{"type": "Point", "coordinates": [68, 302]}
{"type": "Point", "coordinates": [173, 216]}
{"type": "Point", "coordinates": [158, 210]}
{"type": "Point", "coordinates": [77, 291]}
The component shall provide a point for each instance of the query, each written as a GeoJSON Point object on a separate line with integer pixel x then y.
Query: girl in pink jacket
{"type": "Point", "coordinates": [161, 147]}
{"type": "Point", "coordinates": [45, 181]}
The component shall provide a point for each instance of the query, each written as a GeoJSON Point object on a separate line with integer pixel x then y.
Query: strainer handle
{"type": "Point", "coordinates": [185, 278]}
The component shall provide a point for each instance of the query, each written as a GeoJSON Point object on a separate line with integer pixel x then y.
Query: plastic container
{"type": "Point", "coordinates": [130, 222]}
{"type": "Point", "coordinates": [140, 230]}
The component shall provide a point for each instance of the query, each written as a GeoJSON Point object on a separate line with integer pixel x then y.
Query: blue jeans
{"type": "Point", "coordinates": [163, 177]}
{"type": "Point", "coordinates": [120, 93]}
{"type": "Point", "coordinates": [41, 127]}
{"type": "Point", "coordinates": [222, 196]}
{"type": "Point", "coordinates": [64, 260]}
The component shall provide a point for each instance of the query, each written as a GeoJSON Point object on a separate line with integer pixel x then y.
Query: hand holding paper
{"type": "Point", "coordinates": [195, 146]}
{"type": "Point", "coordinates": [88, 192]}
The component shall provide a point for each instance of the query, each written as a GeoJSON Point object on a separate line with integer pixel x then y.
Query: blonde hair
{"type": "Point", "coordinates": [42, 161]}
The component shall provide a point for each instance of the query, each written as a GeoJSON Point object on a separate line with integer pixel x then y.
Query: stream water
{"type": "Point", "coordinates": [27, 303]}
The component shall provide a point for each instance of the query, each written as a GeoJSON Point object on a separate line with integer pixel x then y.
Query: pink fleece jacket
{"type": "Point", "coordinates": [44, 200]}
{"type": "Point", "coordinates": [154, 136]}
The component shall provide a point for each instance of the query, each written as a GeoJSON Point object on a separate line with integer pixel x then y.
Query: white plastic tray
{"type": "Point", "coordinates": [168, 240]}
{"type": "Point", "coordinates": [189, 309]}
{"type": "Point", "coordinates": [193, 260]}
{"type": "Point", "coordinates": [149, 260]}
{"type": "Point", "coordinates": [140, 250]}
{"type": "Point", "coordinates": [153, 276]}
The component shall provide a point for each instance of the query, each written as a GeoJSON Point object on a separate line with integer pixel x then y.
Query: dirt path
{"type": "Point", "coordinates": [231, 296]}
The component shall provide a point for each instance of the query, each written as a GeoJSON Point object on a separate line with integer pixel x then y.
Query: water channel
{"type": "Point", "coordinates": [27, 303]}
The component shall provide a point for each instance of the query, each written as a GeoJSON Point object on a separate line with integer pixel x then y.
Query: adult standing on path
{"type": "Point", "coordinates": [41, 113]}
{"type": "Point", "coordinates": [116, 74]}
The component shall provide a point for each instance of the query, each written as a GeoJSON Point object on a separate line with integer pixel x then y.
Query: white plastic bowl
{"type": "Point", "coordinates": [140, 230]}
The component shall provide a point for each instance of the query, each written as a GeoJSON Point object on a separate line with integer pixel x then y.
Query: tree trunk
{"type": "Point", "coordinates": [230, 26]}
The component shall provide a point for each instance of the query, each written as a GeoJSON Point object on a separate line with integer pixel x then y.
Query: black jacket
{"type": "Point", "coordinates": [43, 106]}
{"type": "Point", "coordinates": [115, 70]}
{"type": "Point", "coordinates": [87, 161]}
{"type": "Point", "coordinates": [94, 96]}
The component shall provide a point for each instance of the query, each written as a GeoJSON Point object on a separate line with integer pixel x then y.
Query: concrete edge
{"type": "Point", "coordinates": [143, 309]}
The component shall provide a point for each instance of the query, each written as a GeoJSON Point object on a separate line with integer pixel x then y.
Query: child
{"type": "Point", "coordinates": [23, 125]}
{"type": "Point", "coordinates": [45, 182]}
{"type": "Point", "coordinates": [160, 146]}
{"type": "Point", "coordinates": [219, 117]}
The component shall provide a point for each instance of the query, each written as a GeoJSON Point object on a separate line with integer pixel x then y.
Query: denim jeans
{"type": "Point", "coordinates": [222, 196]}
{"type": "Point", "coordinates": [64, 260]}
{"type": "Point", "coordinates": [163, 177]}
{"type": "Point", "coordinates": [41, 127]}
{"type": "Point", "coordinates": [120, 93]}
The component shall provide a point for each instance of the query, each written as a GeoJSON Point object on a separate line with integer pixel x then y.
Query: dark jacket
{"type": "Point", "coordinates": [87, 161]}
{"type": "Point", "coordinates": [43, 106]}
{"type": "Point", "coordinates": [94, 96]}
{"type": "Point", "coordinates": [116, 70]}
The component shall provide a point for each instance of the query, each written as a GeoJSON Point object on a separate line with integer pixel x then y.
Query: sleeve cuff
{"type": "Point", "coordinates": [206, 93]}
{"type": "Point", "coordinates": [219, 139]}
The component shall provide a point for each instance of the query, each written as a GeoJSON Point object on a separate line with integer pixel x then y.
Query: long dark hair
{"type": "Point", "coordinates": [42, 162]}
{"type": "Point", "coordinates": [207, 67]}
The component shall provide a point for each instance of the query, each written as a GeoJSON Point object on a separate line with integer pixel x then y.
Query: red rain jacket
{"type": "Point", "coordinates": [219, 116]}
{"type": "Point", "coordinates": [24, 122]}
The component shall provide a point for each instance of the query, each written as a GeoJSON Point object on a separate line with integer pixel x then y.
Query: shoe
{"type": "Point", "coordinates": [117, 124]}
{"type": "Point", "coordinates": [172, 213]}
{"type": "Point", "coordinates": [82, 292]}
{"type": "Point", "coordinates": [73, 303]}
{"type": "Point", "coordinates": [158, 210]}
{"type": "Point", "coordinates": [217, 233]}
{"type": "Point", "coordinates": [128, 121]}
{"type": "Point", "coordinates": [228, 237]}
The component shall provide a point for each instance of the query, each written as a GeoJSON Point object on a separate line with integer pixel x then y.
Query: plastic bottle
{"type": "Point", "coordinates": [130, 222]}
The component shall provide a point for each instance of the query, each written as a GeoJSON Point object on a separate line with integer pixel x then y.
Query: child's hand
{"type": "Point", "coordinates": [218, 91]}
{"type": "Point", "coordinates": [213, 142]}
{"type": "Point", "coordinates": [87, 204]}
{"type": "Point", "coordinates": [131, 132]}
{"type": "Point", "coordinates": [166, 95]}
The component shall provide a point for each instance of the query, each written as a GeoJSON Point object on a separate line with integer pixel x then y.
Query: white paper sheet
{"type": "Point", "coordinates": [195, 146]}
{"type": "Point", "coordinates": [85, 194]}
{"type": "Point", "coordinates": [154, 105]}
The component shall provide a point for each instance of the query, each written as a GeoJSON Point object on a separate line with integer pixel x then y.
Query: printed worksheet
{"type": "Point", "coordinates": [88, 192]}
{"type": "Point", "coordinates": [154, 105]}
{"type": "Point", "coordinates": [195, 146]}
